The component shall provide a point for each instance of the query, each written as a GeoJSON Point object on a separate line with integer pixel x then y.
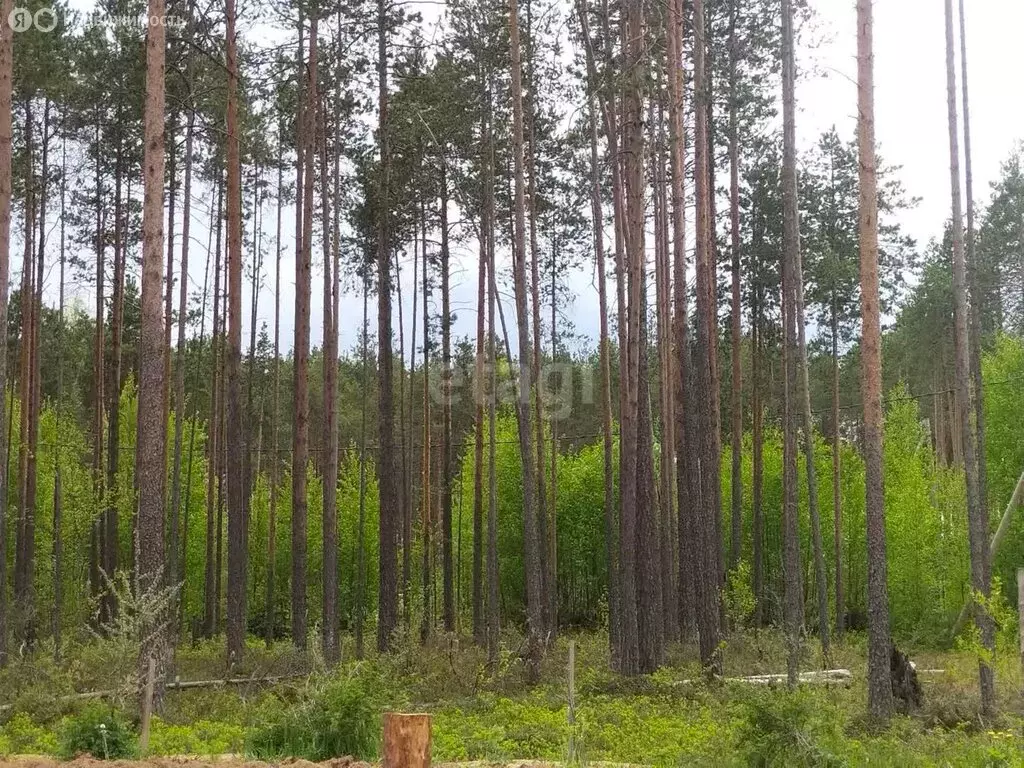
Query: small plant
{"type": "Point", "coordinates": [201, 737]}
{"type": "Point", "coordinates": [739, 595]}
{"type": "Point", "coordinates": [336, 720]}
{"type": "Point", "coordinates": [100, 731]}
{"type": "Point", "coordinates": [1003, 619]}
{"type": "Point", "coordinates": [22, 736]}
{"type": "Point", "coordinates": [780, 728]}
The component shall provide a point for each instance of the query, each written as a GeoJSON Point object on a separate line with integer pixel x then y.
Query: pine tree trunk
{"type": "Point", "coordinates": [303, 278]}
{"type": "Point", "coordinates": [757, 460]}
{"type": "Point", "coordinates": [186, 513]}
{"type": "Point", "coordinates": [222, 460]}
{"type": "Point", "coordinates": [387, 616]}
{"type": "Point", "coordinates": [493, 584]}
{"type": "Point", "coordinates": [426, 518]}
{"type": "Point", "coordinates": [552, 537]}
{"type": "Point", "coordinates": [687, 545]}
{"type": "Point", "coordinates": [27, 612]}
{"type": "Point", "coordinates": [610, 519]}
{"type": "Point", "coordinates": [152, 438]}
{"type": "Point", "coordinates": [633, 493]}
{"type": "Point", "coordinates": [535, 361]}
{"type": "Point", "coordinates": [404, 487]}
{"type": "Point", "coordinates": [335, 298]}
{"type": "Point", "coordinates": [666, 490]}
{"type": "Point", "coordinates": [977, 513]}
{"type": "Point", "coordinates": [174, 574]}
{"type": "Point", "coordinates": [531, 543]}
{"type": "Point", "coordinates": [650, 623]}
{"type": "Point", "coordinates": [479, 625]}
{"type": "Point", "coordinates": [597, 217]}
{"type": "Point", "coordinates": [408, 437]}
{"type": "Point", "coordinates": [210, 592]}
{"type": "Point", "coordinates": [37, 387]}
{"type": "Point", "coordinates": [792, 587]}
{"type": "Point", "coordinates": [111, 523]}
{"type": "Point", "coordinates": [297, 535]}
{"type": "Point", "coordinates": [976, 297]}
{"type": "Point", "coordinates": [36, 398]}
{"type": "Point", "coordinates": [704, 468]}
{"type": "Point", "coordinates": [820, 579]}
{"type": "Point", "coordinates": [735, 539]}
{"type": "Point", "coordinates": [275, 428]}
{"type": "Point", "coordinates": [331, 649]}
{"type": "Point", "coordinates": [237, 540]}
{"type": "Point", "coordinates": [360, 601]}
{"type": "Point", "coordinates": [253, 419]}
{"type": "Point", "coordinates": [172, 199]}
{"type": "Point", "coordinates": [6, 152]}
{"type": "Point", "coordinates": [58, 493]}
{"type": "Point", "coordinates": [837, 491]}
{"type": "Point", "coordinates": [879, 674]}
{"type": "Point", "coordinates": [26, 499]}
{"type": "Point", "coordinates": [95, 567]}
{"type": "Point", "coordinates": [447, 465]}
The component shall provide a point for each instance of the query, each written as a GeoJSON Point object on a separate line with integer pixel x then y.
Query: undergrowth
{"type": "Point", "coordinates": [670, 718]}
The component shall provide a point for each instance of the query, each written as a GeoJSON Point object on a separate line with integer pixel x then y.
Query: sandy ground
{"type": "Point", "coordinates": [227, 761]}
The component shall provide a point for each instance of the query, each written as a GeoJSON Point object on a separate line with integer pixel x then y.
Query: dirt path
{"type": "Point", "coordinates": [228, 761]}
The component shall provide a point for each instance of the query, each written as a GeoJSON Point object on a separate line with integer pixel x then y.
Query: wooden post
{"type": "Point", "coordinates": [406, 741]}
{"type": "Point", "coordinates": [1020, 611]}
{"type": "Point", "coordinates": [147, 706]}
{"type": "Point", "coordinates": [573, 757]}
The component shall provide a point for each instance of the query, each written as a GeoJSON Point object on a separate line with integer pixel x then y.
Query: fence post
{"type": "Point", "coordinates": [1020, 612]}
{"type": "Point", "coordinates": [406, 740]}
{"type": "Point", "coordinates": [573, 757]}
{"type": "Point", "coordinates": [147, 706]}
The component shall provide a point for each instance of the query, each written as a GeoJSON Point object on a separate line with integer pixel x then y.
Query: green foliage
{"type": "Point", "coordinates": [926, 528]}
{"type": "Point", "coordinates": [338, 717]}
{"type": "Point", "coordinates": [1003, 371]}
{"type": "Point", "coordinates": [739, 594]}
{"type": "Point", "coordinates": [202, 737]}
{"type": "Point", "coordinates": [21, 736]}
{"type": "Point", "coordinates": [100, 731]}
{"type": "Point", "coordinates": [788, 728]}
{"type": "Point", "coordinates": [1004, 618]}
{"type": "Point", "coordinates": [35, 687]}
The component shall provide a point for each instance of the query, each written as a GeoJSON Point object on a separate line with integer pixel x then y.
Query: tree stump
{"type": "Point", "coordinates": [406, 741]}
{"type": "Point", "coordinates": [906, 690]}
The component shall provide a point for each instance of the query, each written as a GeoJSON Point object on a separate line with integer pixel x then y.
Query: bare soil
{"type": "Point", "coordinates": [227, 761]}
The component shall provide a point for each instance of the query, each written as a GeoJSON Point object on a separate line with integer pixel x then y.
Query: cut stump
{"type": "Point", "coordinates": [906, 689]}
{"type": "Point", "coordinates": [406, 740]}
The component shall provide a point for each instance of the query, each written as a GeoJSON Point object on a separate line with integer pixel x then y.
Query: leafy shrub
{"type": "Point", "coordinates": [21, 736]}
{"type": "Point", "coordinates": [37, 686]}
{"type": "Point", "coordinates": [788, 728]}
{"type": "Point", "coordinates": [335, 720]}
{"type": "Point", "coordinates": [98, 731]}
{"type": "Point", "coordinates": [203, 737]}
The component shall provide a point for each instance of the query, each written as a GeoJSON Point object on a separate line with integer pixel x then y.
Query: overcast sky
{"type": "Point", "coordinates": [911, 130]}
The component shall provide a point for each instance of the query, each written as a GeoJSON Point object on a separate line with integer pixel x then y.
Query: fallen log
{"type": "Point", "coordinates": [818, 677]}
{"type": "Point", "coordinates": [180, 685]}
